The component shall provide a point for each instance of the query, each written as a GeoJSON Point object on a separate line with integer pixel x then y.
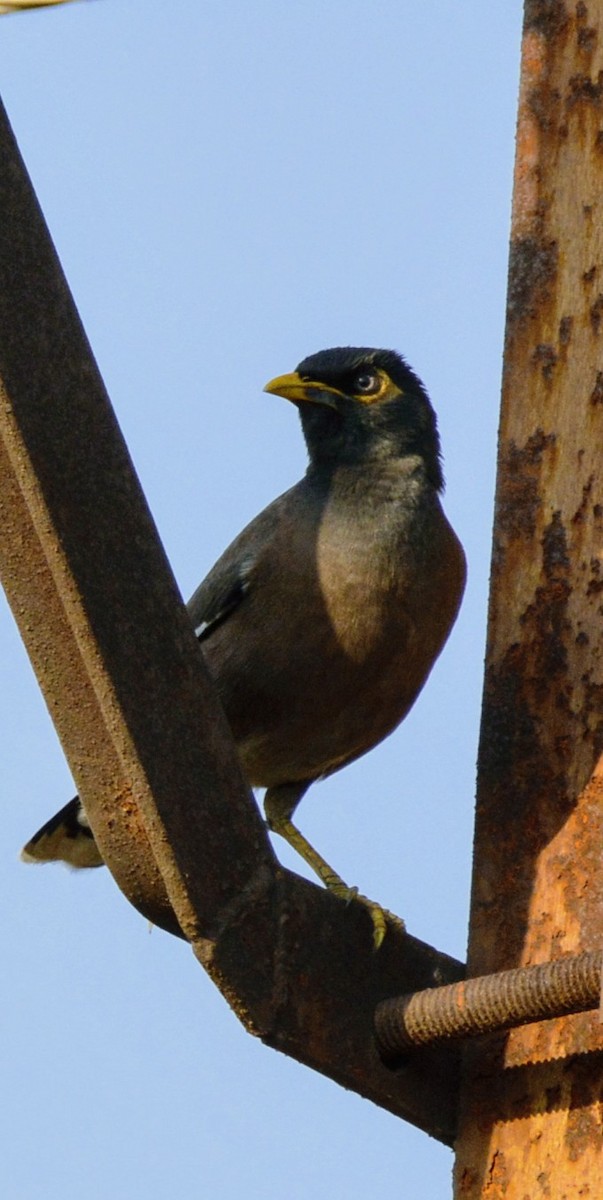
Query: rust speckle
{"type": "Point", "coordinates": [580, 513]}
{"type": "Point", "coordinates": [565, 330]}
{"type": "Point", "coordinates": [595, 587]}
{"type": "Point", "coordinates": [583, 1126]}
{"type": "Point", "coordinates": [548, 17]}
{"type": "Point", "coordinates": [467, 1181]}
{"type": "Point", "coordinates": [587, 39]}
{"type": "Point", "coordinates": [545, 355]}
{"type": "Point", "coordinates": [555, 558]}
{"type": "Point", "coordinates": [596, 396]}
{"type": "Point", "coordinates": [498, 1180]}
{"type": "Point", "coordinates": [596, 313]}
{"type": "Point", "coordinates": [589, 275]}
{"type": "Point", "coordinates": [584, 90]}
{"type": "Point", "coordinates": [519, 497]}
{"type": "Point", "coordinates": [599, 142]}
{"type": "Point", "coordinates": [524, 696]}
{"type": "Point", "coordinates": [532, 272]}
{"type": "Point", "coordinates": [593, 707]}
{"type": "Point", "coordinates": [544, 102]}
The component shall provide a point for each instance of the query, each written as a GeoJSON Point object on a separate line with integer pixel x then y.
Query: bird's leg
{"type": "Point", "coordinates": [279, 805]}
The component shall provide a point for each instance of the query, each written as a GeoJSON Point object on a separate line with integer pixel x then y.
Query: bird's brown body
{"type": "Point", "coordinates": [378, 579]}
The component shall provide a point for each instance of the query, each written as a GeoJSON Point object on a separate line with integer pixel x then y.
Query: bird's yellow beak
{"type": "Point", "coordinates": [299, 390]}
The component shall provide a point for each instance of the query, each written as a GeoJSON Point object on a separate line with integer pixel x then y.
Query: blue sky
{"type": "Point", "coordinates": [230, 187]}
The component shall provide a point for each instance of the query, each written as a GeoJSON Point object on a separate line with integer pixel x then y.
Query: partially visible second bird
{"type": "Point", "coordinates": [321, 622]}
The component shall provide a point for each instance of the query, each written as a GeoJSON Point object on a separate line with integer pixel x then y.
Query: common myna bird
{"type": "Point", "coordinates": [323, 619]}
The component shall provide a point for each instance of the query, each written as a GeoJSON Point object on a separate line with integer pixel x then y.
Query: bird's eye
{"type": "Point", "coordinates": [366, 382]}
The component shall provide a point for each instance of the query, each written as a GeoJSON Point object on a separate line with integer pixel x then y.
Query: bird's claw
{"type": "Point", "coordinates": [380, 917]}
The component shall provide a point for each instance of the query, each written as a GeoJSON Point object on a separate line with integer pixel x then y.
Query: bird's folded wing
{"type": "Point", "coordinates": [231, 579]}
{"type": "Point", "coordinates": [218, 596]}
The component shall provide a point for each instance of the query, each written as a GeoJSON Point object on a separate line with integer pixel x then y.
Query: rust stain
{"type": "Point", "coordinates": [596, 313]}
{"type": "Point", "coordinates": [565, 330]}
{"type": "Point", "coordinates": [519, 495]}
{"type": "Point", "coordinates": [587, 39]}
{"type": "Point", "coordinates": [582, 511]}
{"type": "Point", "coordinates": [545, 355]}
{"type": "Point", "coordinates": [533, 264]}
{"type": "Point", "coordinates": [584, 90]}
{"type": "Point", "coordinates": [497, 1181]}
{"type": "Point", "coordinates": [583, 1128]}
{"type": "Point", "coordinates": [548, 17]}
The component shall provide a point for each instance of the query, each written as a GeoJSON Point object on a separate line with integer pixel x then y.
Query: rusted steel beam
{"type": "Point", "coordinates": [531, 1101]}
{"type": "Point", "coordinates": [148, 745]}
{"type": "Point", "coordinates": [93, 594]}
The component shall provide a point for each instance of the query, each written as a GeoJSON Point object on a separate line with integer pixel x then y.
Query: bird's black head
{"type": "Point", "coordinates": [358, 404]}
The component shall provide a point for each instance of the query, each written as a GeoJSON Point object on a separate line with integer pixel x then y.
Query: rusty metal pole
{"type": "Point", "coordinates": [531, 1105]}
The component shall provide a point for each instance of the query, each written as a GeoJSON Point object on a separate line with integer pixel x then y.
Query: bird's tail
{"type": "Point", "coordinates": [66, 837]}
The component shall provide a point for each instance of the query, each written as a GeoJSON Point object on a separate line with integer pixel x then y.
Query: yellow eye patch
{"type": "Point", "coordinates": [385, 391]}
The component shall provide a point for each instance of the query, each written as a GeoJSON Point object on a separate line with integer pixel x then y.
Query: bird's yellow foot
{"type": "Point", "coordinates": [278, 806]}
{"type": "Point", "coordinates": [380, 917]}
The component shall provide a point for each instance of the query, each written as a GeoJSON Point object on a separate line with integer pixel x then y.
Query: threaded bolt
{"type": "Point", "coordinates": [490, 1003]}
